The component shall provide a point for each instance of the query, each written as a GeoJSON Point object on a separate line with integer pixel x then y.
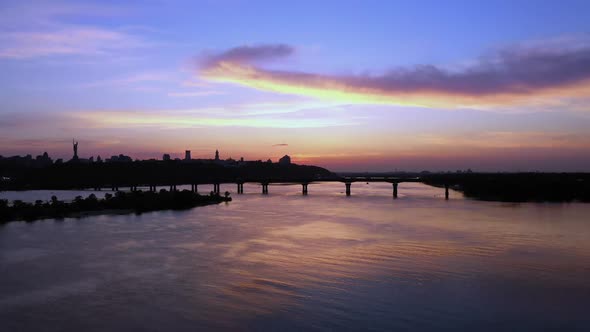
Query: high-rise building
{"type": "Point", "coordinates": [217, 155]}
{"type": "Point", "coordinates": [166, 157]}
{"type": "Point", "coordinates": [187, 155]}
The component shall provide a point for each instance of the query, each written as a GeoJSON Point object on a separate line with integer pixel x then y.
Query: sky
{"type": "Point", "coordinates": [347, 85]}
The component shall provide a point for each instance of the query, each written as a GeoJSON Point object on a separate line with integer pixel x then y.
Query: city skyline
{"type": "Point", "coordinates": [123, 157]}
{"type": "Point", "coordinates": [347, 86]}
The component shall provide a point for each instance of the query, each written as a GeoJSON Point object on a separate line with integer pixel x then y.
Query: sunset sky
{"type": "Point", "coordinates": [348, 85]}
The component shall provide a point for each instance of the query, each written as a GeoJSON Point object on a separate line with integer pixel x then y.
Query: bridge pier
{"type": "Point", "coordinates": [216, 188]}
{"type": "Point", "coordinates": [240, 188]}
{"type": "Point", "coordinates": [304, 188]}
{"type": "Point", "coordinates": [348, 184]}
{"type": "Point", "coordinates": [446, 191]}
{"type": "Point", "coordinates": [265, 188]}
{"type": "Point", "coordinates": [395, 189]}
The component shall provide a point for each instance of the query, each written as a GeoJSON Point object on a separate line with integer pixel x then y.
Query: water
{"type": "Point", "coordinates": [287, 262]}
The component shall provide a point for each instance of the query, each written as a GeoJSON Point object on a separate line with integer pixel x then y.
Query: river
{"type": "Point", "coordinates": [286, 262]}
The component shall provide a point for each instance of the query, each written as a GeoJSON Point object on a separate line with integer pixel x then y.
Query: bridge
{"type": "Point", "coordinates": [347, 181]}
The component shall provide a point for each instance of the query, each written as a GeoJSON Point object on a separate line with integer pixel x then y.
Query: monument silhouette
{"type": "Point", "coordinates": [75, 146]}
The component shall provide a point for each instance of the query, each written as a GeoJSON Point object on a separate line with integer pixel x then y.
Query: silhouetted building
{"type": "Point", "coordinates": [286, 160]}
{"type": "Point", "coordinates": [98, 159]}
{"type": "Point", "coordinates": [216, 155]}
{"type": "Point", "coordinates": [119, 159]}
{"type": "Point", "coordinates": [27, 161]}
{"type": "Point", "coordinates": [43, 160]}
{"type": "Point", "coordinates": [187, 155]}
{"type": "Point", "coordinates": [166, 157]}
{"type": "Point", "coordinates": [45, 156]}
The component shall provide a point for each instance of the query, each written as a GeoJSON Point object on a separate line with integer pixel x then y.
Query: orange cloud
{"type": "Point", "coordinates": [177, 119]}
{"type": "Point", "coordinates": [514, 76]}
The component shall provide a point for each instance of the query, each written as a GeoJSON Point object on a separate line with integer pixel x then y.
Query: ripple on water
{"type": "Point", "coordinates": [287, 262]}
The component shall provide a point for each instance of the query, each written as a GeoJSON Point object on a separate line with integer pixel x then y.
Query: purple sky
{"type": "Point", "coordinates": [355, 85]}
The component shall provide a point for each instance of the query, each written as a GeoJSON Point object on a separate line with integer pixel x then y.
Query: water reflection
{"type": "Point", "coordinates": [286, 261]}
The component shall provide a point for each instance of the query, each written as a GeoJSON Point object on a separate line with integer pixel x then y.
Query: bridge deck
{"type": "Point", "coordinates": [302, 181]}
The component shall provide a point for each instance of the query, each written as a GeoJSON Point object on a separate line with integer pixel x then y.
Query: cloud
{"type": "Point", "coordinates": [88, 41]}
{"type": "Point", "coordinates": [280, 144]}
{"type": "Point", "coordinates": [140, 77]}
{"type": "Point", "coordinates": [38, 14]}
{"type": "Point", "coordinates": [195, 93]}
{"type": "Point", "coordinates": [513, 75]}
{"type": "Point", "coordinates": [502, 140]}
{"type": "Point", "coordinates": [250, 54]}
{"type": "Point", "coordinates": [43, 30]}
{"type": "Point", "coordinates": [178, 119]}
{"type": "Point", "coordinates": [18, 122]}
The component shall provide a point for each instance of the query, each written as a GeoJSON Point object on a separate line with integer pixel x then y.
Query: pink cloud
{"type": "Point", "coordinates": [509, 76]}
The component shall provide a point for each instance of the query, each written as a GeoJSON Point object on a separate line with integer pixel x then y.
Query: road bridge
{"type": "Point", "coordinates": [347, 181]}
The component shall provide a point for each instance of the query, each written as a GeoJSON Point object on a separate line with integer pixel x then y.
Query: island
{"type": "Point", "coordinates": [119, 203]}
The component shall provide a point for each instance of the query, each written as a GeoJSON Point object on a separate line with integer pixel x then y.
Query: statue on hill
{"type": "Point", "coordinates": [75, 145]}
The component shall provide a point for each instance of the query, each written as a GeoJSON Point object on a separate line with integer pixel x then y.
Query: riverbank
{"type": "Point", "coordinates": [119, 203]}
{"type": "Point", "coordinates": [517, 187]}
{"type": "Point", "coordinates": [77, 175]}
